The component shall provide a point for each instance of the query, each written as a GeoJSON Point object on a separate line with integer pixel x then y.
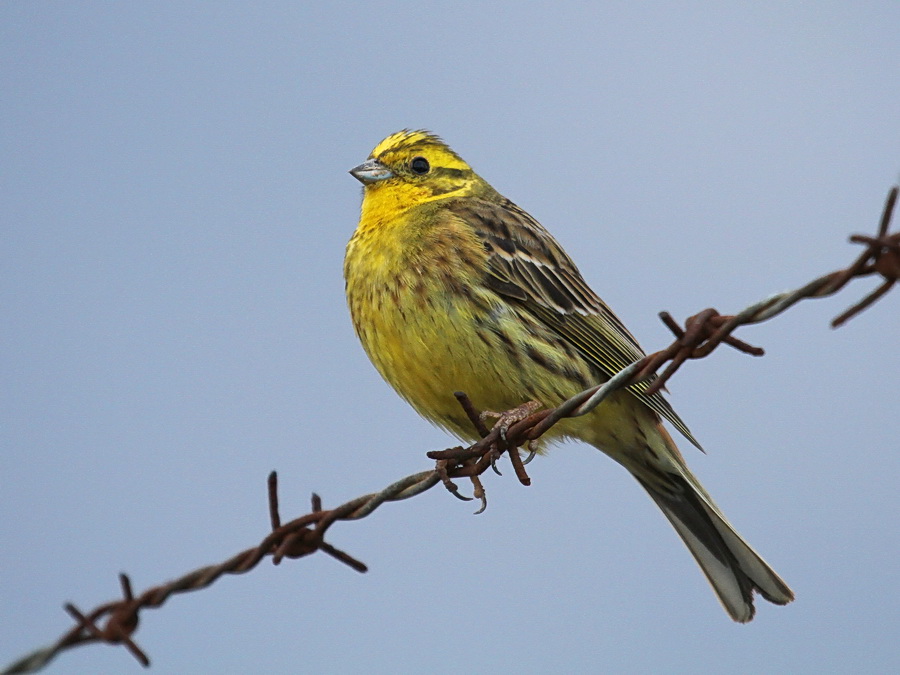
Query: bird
{"type": "Point", "coordinates": [452, 287]}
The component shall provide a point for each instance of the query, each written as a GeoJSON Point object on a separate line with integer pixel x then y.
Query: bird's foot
{"type": "Point", "coordinates": [443, 468]}
{"type": "Point", "coordinates": [505, 420]}
{"type": "Point", "coordinates": [509, 417]}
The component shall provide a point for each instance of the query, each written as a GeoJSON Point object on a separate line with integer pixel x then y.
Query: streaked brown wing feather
{"type": "Point", "coordinates": [527, 265]}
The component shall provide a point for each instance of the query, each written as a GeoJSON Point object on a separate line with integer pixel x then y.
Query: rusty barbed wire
{"type": "Point", "coordinates": [702, 334]}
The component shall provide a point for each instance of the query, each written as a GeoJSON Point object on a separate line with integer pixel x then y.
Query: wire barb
{"type": "Point", "coordinates": [884, 253]}
{"type": "Point", "coordinates": [302, 536]}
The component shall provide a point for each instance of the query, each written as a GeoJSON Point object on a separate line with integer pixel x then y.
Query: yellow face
{"type": "Point", "coordinates": [418, 165]}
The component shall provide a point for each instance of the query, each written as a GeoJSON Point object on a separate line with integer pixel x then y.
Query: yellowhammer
{"type": "Point", "coordinates": [452, 287]}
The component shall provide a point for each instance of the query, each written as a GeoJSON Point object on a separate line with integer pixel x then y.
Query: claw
{"type": "Point", "coordinates": [494, 457]}
{"type": "Point", "coordinates": [482, 507]}
{"type": "Point", "coordinates": [456, 493]}
{"type": "Point", "coordinates": [480, 493]}
{"type": "Point", "coordinates": [531, 453]}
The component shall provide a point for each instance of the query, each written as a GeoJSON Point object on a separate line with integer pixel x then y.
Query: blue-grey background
{"type": "Point", "coordinates": [175, 205]}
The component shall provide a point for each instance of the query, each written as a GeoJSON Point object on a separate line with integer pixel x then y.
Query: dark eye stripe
{"type": "Point", "coordinates": [450, 173]}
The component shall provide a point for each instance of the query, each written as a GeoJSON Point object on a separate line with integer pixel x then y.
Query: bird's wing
{"type": "Point", "coordinates": [527, 265]}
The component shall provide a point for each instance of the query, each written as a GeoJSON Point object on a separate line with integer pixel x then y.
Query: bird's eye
{"type": "Point", "coordinates": [419, 165]}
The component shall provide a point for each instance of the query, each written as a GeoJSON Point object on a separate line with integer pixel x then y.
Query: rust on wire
{"type": "Point", "coordinates": [115, 622]}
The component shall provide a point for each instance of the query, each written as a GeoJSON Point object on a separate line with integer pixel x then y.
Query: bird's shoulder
{"type": "Point", "coordinates": [526, 262]}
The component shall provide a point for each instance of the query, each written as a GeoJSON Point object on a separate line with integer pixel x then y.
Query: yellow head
{"type": "Point", "coordinates": [409, 168]}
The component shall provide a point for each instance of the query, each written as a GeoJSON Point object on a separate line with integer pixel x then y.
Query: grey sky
{"type": "Point", "coordinates": [175, 205]}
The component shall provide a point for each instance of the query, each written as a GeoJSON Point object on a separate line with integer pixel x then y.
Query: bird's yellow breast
{"type": "Point", "coordinates": [416, 307]}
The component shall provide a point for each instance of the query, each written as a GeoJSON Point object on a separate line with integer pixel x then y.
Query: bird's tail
{"type": "Point", "coordinates": [733, 568]}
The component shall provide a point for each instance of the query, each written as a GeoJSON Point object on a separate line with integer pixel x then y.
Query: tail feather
{"type": "Point", "coordinates": [733, 568]}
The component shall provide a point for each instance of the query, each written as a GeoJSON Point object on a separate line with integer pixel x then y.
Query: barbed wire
{"type": "Point", "coordinates": [702, 334]}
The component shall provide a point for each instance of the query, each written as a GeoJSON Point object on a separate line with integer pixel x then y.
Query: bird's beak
{"type": "Point", "coordinates": [371, 171]}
